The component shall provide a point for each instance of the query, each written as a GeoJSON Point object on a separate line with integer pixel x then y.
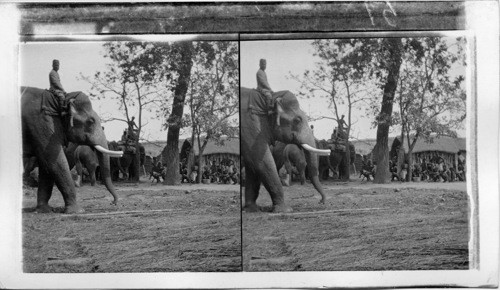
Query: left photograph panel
{"type": "Point", "coordinates": [131, 156]}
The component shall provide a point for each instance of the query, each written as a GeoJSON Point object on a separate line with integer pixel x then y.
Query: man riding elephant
{"type": "Point", "coordinates": [263, 86]}
{"type": "Point", "coordinates": [56, 87]}
{"type": "Point", "coordinates": [259, 131]}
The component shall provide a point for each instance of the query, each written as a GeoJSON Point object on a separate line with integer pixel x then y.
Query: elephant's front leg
{"type": "Point", "coordinates": [45, 186]}
{"type": "Point", "coordinates": [92, 172]}
{"type": "Point", "coordinates": [79, 174]}
{"type": "Point", "coordinates": [59, 169]}
{"type": "Point", "coordinates": [271, 180]}
{"type": "Point", "coordinates": [289, 171]}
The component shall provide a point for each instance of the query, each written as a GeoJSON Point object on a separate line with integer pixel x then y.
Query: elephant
{"type": "Point", "coordinates": [83, 156]}
{"type": "Point", "coordinates": [47, 126]}
{"type": "Point", "coordinates": [324, 164]}
{"type": "Point", "coordinates": [30, 174]}
{"type": "Point", "coordinates": [288, 124]}
{"type": "Point", "coordinates": [125, 163]}
{"type": "Point", "coordinates": [337, 159]}
{"type": "Point", "coordinates": [290, 155]}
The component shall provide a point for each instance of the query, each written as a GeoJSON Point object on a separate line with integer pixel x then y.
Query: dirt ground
{"type": "Point", "coordinates": [365, 227]}
{"type": "Point", "coordinates": [155, 228]}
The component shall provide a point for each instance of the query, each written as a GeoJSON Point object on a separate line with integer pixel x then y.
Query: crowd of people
{"type": "Point", "coordinates": [436, 169]}
{"type": "Point", "coordinates": [224, 172]}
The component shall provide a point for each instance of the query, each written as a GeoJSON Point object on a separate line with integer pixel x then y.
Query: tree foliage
{"type": "Point", "coordinates": [213, 95]}
{"type": "Point", "coordinates": [340, 77]}
{"type": "Point", "coordinates": [430, 94]}
{"type": "Point", "coordinates": [130, 80]}
{"type": "Point", "coordinates": [372, 72]}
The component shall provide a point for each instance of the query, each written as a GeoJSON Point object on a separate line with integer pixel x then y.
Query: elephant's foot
{"type": "Point", "coordinates": [72, 209]}
{"type": "Point", "coordinates": [78, 182]}
{"type": "Point", "coordinates": [45, 208]}
{"type": "Point", "coordinates": [251, 208]}
{"type": "Point", "coordinates": [281, 208]}
{"type": "Point", "coordinates": [284, 182]}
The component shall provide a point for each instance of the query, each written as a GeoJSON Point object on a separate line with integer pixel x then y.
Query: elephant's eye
{"type": "Point", "coordinates": [297, 120]}
{"type": "Point", "coordinates": [90, 121]}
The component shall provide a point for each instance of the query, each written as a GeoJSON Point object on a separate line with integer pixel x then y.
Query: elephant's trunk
{"type": "Point", "coordinates": [105, 174]}
{"type": "Point", "coordinates": [312, 162]}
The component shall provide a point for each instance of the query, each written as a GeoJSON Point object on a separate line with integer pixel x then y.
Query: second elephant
{"type": "Point", "coordinates": [290, 155]}
{"type": "Point", "coordinates": [83, 156]}
{"type": "Point", "coordinates": [127, 162]}
{"type": "Point", "coordinates": [336, 161]}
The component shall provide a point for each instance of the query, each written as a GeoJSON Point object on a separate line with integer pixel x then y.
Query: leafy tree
{"type": "Point", "coordinates": [389, 61]}
{"type": "Point", "coordinates": [179, 61]}
{"type": "Point", "coordinates": [129, 80]}
{"type": "Point", "coordinates": [340, 78]}
{"type": "Point", "coordinates": [431, 100]}
{"type": "Point", "coordinates": [213, 96]}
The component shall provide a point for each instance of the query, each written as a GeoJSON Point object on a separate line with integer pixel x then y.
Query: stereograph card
{"type": "Point", "coordinates": [241, 144]}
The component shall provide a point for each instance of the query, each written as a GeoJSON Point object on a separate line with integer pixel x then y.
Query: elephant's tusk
{"type": "Point", "coordinates": [109, 152]}
{"type": "Point", "coordinates": [323, 152]}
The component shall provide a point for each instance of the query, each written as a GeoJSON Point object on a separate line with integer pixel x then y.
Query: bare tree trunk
{"type": "Point", "coordinates": [190, 161]}
{"type": "Point", "coordinates": [201, 162]}
{"type": "Point", "coordinates": [347, 166]}
{"type": "Point", "coordinates": [394, 48]}
{"type": "Point", "coordinates": [137, 162]}
{"type": "Point", "coordinates": [175, 118]}
{"type": "Point", "coordinates": [410, 167]}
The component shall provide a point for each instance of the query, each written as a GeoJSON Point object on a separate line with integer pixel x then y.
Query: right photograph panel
{"type": "Point", "coordinates": [355, 154]}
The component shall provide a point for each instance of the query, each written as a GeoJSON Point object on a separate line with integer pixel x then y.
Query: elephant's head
{"type": "Point", "coordinates": [84, 128]}
{"type": "Point", "coordinates": [291, 126]}
{"type": "Point", "coordinates": [291, 123]}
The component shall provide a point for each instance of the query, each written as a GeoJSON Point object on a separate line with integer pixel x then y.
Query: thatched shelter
{"type": "Point", "coordinates": [228, 149]}
{"type": "Point", "coordinates": [443, 146]}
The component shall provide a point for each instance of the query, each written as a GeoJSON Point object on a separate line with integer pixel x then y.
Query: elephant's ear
{"type": "Point", "coordinates": [279, 111]}
{"type": "Point", "coordinates": [72, 111]}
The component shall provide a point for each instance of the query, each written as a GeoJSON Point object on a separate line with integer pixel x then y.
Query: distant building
{"type": "Point", "coordinates": [229, 149]}
{"type": "Point", "coordinates": [444, 146]}
{"type": "Point", "coordinates": [215, 151]}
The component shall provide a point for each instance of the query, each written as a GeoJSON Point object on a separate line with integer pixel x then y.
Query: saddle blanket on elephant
{"type": "Point", "coordinates": [127, 147]}
{"type": "Point", "coordinates": [336, 146]}
{"type": "Point", "coordinates": [257, 101]}
{"type": "Point", "coordinates": [50, 103]}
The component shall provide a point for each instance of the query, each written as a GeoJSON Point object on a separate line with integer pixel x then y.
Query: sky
{"type": "Point", "coordinates": [284, 57]}
{"type": "Point", "coordinates": [75, 58]}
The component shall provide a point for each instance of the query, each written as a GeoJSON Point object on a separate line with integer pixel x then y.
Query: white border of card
{"type": "Point", "coordinates": [482, 25]}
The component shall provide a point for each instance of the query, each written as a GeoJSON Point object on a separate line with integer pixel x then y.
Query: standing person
{"type": "Point", "coordinates": [131, 131]}
{"type": "Point", "coordinates": [56, 87]}
{"type": "Point", "coordinates": [342, 125]}
{"type": "Point", "coordinates": [263, 86]}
